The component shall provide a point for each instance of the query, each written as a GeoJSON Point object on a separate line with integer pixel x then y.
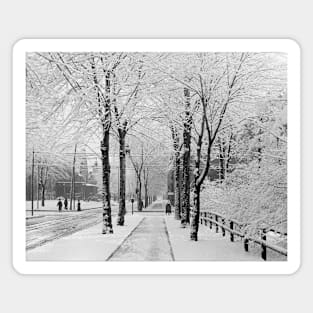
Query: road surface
{"type": "Point", "coordinates": [40, 230]}
{"type": "Point", "coordinates": [54, 225]}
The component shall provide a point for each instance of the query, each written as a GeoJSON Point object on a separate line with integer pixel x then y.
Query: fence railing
{"type": "Point", "coordinates": [220, 222]}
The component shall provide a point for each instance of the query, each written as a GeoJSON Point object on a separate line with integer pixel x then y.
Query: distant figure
{"type": "Point", "coordinates": [78, 206]}
{"type": "Point", "coordinates": [59, 204]}
{"type": "Point", "coordinates": [65, 204]}
{"type": "Point", "coordinates": [168, 208]}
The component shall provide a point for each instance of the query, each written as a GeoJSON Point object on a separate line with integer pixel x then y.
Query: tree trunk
{"type": "Point", "coordinates": [104, 103]}
{"type": "Point", "coordinates": [185, 214]}
{"type": "Point", "coordinates": [43, 183]}
{"type": "Point", "coordinates": [194, 226]}
{"type": "Point", "coordinates": [221, 160]}
{"type": "Point", "coordinates": [146, 181]}
{"type": "Point", "coordinates": [146, 197]}
{"type": "Point", "coordinates": [177, 187]}
{"type": "Point", "coordinates": [146, 194]}
{"type": "Point", "coordinates": [43, 189]}
{"type": "Point", "coordinates": [107, 220]}
{"type": "Point", "coordinates": [106, 124]}
{"type": "Point", "coordinates": [199, 178]}
{"type": "Point", "coordinates": [122, 178]}
{"type": "Point", "coordinates": [228, 155]}
{"type": "Point", "coordinates": [139, 200]}
{"type": "Point", "coordinates": [177, 194]}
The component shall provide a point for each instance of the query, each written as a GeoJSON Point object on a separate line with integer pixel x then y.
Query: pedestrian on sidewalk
{"type": "Point", "coordinates": [59, 204]}
{"type": "Point", "coordinates": [168, 208]}
{"type": "Point", "coordinates": [65, 204]}
{"type": "Point", "coordinates": [78, 206]}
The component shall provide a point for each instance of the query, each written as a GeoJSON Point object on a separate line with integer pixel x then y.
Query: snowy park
{"type": "Point", "coordinates": [156, 156]}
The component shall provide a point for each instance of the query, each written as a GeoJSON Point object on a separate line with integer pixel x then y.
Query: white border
{"type": "Point", "coordinates": [154, 45]}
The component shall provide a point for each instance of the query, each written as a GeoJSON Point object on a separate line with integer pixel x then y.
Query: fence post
{"type": "Point", "coordinates": [231, 225]}
{"type": "Point", "coordinates": [263, 237]}
{"type": "Point", "coordinates": [223, 229]}
{"type": "Point", "coordinates": [216, 227]}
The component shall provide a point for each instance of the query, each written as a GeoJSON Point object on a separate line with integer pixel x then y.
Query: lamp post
{"type": "Point", "coordinates": [72, 207]}
{"type": "Point", "coordinates": [132, 201]}
{"type": "Point", "coordinates": [38, 186]}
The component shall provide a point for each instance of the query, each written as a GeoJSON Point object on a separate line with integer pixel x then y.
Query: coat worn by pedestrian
{"type": "Point", "coordinates": [59, 204]}
{"type": "Point", "coordinates": [168, 208]}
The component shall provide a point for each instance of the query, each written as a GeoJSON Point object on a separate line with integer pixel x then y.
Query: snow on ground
{"type": "Point", "coordinates": [148, 242]}
{"type": "Point", "coordinates": [86, 245]}
{"type": "Point", "coordinates": [210, 246]}
{"type": "Point", "coordinates": [255, 249]}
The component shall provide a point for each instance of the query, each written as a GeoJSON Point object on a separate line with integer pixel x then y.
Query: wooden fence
{"type": "Point", "coordinates": [220, 222]}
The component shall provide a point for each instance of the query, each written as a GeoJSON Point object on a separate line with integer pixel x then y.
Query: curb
{"type": "Point", "coordinates": [169, 240]}
{"type": "Point", "coordinates": [121, 243]}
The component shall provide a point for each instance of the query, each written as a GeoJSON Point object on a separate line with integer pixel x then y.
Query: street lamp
{"type": "Point", "coordinates": [132, 201]}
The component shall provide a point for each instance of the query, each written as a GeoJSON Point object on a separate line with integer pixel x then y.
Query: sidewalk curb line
{"type": "Point", "coordinates": [169, 240]}
{"type": "Point", "coordinates": [121, 243]}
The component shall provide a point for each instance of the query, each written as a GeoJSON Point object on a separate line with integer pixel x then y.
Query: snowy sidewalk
{"type": "Point", "coordinates": [210, 246]}
{"type": "Point", "coordinates": [148, 242]}
{"type": "Point", "coordinates": [86, 245]}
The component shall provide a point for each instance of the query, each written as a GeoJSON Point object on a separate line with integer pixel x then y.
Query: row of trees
{"type": "Point", "coordinates": [87, 96]}
{"type": "Point", "coordinates": [215, 95]}
{"type": "Point", "coordinates": [190, 106]}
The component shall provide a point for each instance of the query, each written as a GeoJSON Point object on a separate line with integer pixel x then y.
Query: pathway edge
{"type": "Point", "coordinates": [124, 239]}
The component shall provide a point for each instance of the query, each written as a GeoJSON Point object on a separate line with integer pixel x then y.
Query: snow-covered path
{"type": "Point", "coordinates": [148, 242]}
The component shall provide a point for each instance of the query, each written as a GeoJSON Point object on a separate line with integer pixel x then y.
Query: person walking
{"type": "Point", "coordinates": [59, 204]}
{"type": "Point", "coordinates": [78, 206]}
{"type": "Point", "coordinates": [168, 208]}
{"type": "Point", "coordinates": [65, 204]}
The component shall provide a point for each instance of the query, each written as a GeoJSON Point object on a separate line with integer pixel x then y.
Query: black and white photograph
{"type": "Point", "coordinates": [156, 156]}
{"type": "Point", "coordinates": [162, 156]}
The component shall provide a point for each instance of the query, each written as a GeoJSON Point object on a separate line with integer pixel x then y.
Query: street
{"type": "Point", "coordinates": [41, 230]}
{"type": "Point", "coordinates": [51, 225]}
